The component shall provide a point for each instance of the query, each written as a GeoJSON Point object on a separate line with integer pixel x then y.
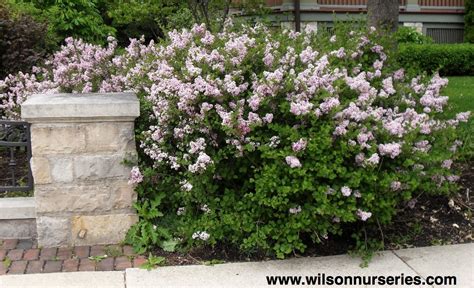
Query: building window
{"type": "Point", "coordinates": [446, 35]}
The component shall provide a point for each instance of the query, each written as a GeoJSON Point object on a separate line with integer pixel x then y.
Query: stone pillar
{"type": "Point", "coordinates": [79, 143]}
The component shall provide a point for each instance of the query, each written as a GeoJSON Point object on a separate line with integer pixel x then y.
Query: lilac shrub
{"type": "Point", "coordinates": [265, 141]}
{"type": "Point", "coordinates": [286, 137]}
{"type": "Point", "coordinates": [78, 67]}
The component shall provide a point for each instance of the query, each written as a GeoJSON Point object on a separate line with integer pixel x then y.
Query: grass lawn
{"type": "Point", "coordinates": [461, 99]}
{"type": "Point", "coordinates": [461, 94]}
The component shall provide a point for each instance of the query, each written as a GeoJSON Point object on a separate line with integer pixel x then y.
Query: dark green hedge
{"type": "Point", "coordinates": [450, 59]}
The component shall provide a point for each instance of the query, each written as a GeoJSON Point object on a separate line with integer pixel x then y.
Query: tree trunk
{"type": "Point", "coordinates": [383, 14]}
{"type": "Point", "coordinates": [297, 8]}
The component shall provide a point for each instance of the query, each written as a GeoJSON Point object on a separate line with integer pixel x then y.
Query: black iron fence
{"type": "Point", "coordinates": [15, 155]}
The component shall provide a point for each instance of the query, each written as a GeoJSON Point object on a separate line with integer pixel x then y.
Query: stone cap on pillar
{"type": "Point", "coordinates": [87, 107]}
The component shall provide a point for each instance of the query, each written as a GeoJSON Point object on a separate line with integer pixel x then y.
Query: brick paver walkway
{"type": "Point", "coordinates": [24, 257]}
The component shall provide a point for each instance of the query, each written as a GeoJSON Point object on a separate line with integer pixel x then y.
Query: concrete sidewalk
{"type": "Point", "coordinates": [454, 260]}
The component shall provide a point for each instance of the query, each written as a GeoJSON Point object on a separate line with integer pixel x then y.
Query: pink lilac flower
{"type": "Point", "coordinates": [295, 210]}
{"type": "Point", "coordinates": [455, 146]}
{"type": "Point", "coordinates": [301, 107]}
{"type": "Point", "coordinates": [186, 186]}
{"type": "Point", "coordinates": [360, 158]}
{"type": "Point", "coordinates": [395, 185]}
{"type": "Point", "coordinates": [329, 104]}
{"type": "Point", "coordinates": [390, 149]}
{"type": "Point", "coordinates": [135, 176]}
{"type": "Point", "coordinates": [308, 55]}
{"type": "Point", "coordinates": [376, 48]}
{"type": "Point", "coordinates": [268, 118]}
{"type": "Point", "coordinates": [422, 146]}
{"type": "Point", "coordinates": [447, 164]}
{"type": "Point", "coordinates": [374, 159]}
{"type": "Point", "coordinates": [394, 127]}
{"type": "Point", "coordinates": [202, 235]}
{"type": "Point", "coordinates": [363, 215]}
{"type": "Point", "coordinates": [452, 178]}
{"type": "Point", "coordinates": [341, 128]}
{"type": "Point", "coordinates": [197, 146]}
{"type": "Point", "coordinates": [362, 139]}
{"type": "Point", "coordinates": [268, 60]}
{"type": "Point", "coordinates": [388, 86]}
{"type": "Point", "coordinates": [299, 145]}
{"type": "Point", "coordinates": [274, 141]}
{"type": "Point", "coordinates": [346, 191]}
{"type": "Point", "coordinates": [205, 208]}
{"type": "Point", "coordinates": [293, 162]}
{"type": "Point", "coordinates": [463, 117]}
{"type": "Point", "coordinates": [201, 164]}
{"type": "Point", "coordinates": [399, 74]}
{"type": "Point", "coordinates": [357, 194]}
{"type": "Point", "coordinates": [208, 38]}
{"type": "Point", "coordinates": [378, 65]}
{"type": "Point", "coordinates": [438, 179]}
{"type": "Point", "coordinates": [340, 53]}
{"type": "Point", "coordinates": [330, 191]}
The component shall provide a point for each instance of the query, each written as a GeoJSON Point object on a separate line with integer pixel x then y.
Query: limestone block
{"type": "Point", "coordinates": [81, 107]}
{"type": "Point", "coordinates": [17, 228]}
{"type": "Point", "coordinates": [124, 196]}
{"type": "Point", "coordinates": [64, 199]}
{"type": "Point", "coordinates": [57, 139]}
{"type": "Point", "coordinates": [95, 167]}
{"type": "Point", "coordinates": [110, 136]}
{"type": "Point", "coordinates": [17, 208]}
{"type": "Point", "coordinates": [53, 231]}
{"type": "Point", "coordinates": [62, 170]}
{"type": "Point", "coordinates": [41, 170]}
{"type": "Point", "coordinates": [101, 229]}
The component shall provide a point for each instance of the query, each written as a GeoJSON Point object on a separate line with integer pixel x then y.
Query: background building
{"type": "Point", "coordinates": [443, 20]}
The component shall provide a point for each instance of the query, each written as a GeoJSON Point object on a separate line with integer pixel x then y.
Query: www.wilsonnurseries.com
{"type": "Point", "coordinates": [323, 279]}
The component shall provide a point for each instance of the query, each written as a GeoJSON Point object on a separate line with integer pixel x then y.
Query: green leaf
{"type": "Point", "coordinates": [169, 245]}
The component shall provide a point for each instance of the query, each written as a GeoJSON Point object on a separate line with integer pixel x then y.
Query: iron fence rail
{"type": "Point", "coordinates": [15, 155]}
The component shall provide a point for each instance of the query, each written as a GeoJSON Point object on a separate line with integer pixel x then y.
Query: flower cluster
{"type": "Point", "coordinates": [202, 235]}
{"type": "Point", "coordinates": [135, 176]}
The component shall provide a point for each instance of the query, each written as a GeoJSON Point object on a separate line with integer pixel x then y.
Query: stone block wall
{"type": "Point", "coordinates": [79, 143]}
